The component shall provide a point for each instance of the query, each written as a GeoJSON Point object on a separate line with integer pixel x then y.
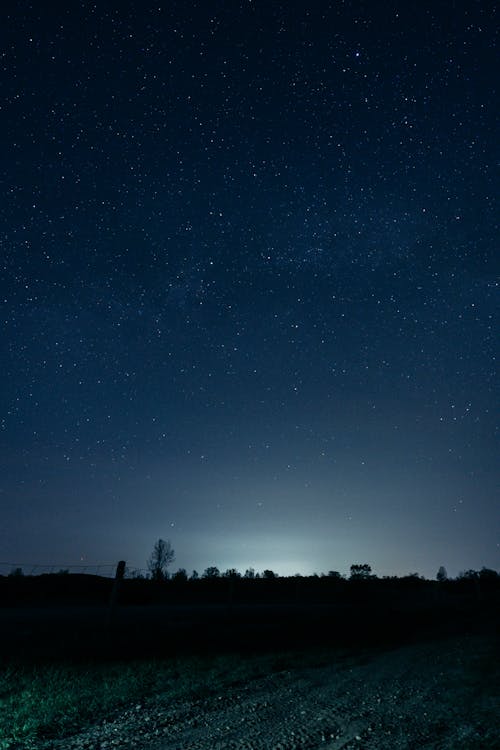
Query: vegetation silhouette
{"type": "Point", "coordinates": [54, 614]}
{"type": "Point", "coordinates": [161, 557]}
{"type": "Point", "coordinates": [180, 576]}
{"type": "Point", "coordinates": [211, 572]}
{"type": "Point", "coordinates": [361, 572]}
{"type": "Point", "coordinates": [442, 575]}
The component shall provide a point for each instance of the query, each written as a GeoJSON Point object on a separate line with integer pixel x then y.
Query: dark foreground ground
{"type": "Point", "coordinates": [397, 678]}
{"type": "Point", "coordinates": [89, 632]}
{"type": "Point", "coordinates": [437, 695]}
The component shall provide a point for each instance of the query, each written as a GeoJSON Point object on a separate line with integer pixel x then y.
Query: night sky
{"type": "Point", "coordinates": [248, 274]}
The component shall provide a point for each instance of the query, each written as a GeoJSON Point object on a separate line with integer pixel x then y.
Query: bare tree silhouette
{"type": "Point", "coordinates": [161, 557]}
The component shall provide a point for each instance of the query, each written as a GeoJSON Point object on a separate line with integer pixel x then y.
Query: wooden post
{"type": "Point", "coordinates": [120, 572]}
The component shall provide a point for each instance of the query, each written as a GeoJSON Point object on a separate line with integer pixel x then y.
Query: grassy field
{"type": "Point", "coordinates": [62, 669]}
{"type": "Point", "coordinates": [51, 701]}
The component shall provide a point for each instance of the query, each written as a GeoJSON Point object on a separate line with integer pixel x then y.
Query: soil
{"type": "Point", "coordinates": [442, 694]}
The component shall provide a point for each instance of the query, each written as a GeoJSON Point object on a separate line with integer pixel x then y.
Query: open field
{"type": "Point", "coordinates": [250, 676]}
{"type": "Point", "coordinates": [440, 695]}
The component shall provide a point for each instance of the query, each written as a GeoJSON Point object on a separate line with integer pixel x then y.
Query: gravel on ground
{"type": "Point", "coordinates": [437, 695]}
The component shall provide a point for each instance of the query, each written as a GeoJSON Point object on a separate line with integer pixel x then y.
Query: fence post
{"type": "Point", "coordinates": [120, 572]}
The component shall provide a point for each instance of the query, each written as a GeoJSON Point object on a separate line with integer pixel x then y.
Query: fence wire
{"type": "Point", "coordinates": [102, 569]}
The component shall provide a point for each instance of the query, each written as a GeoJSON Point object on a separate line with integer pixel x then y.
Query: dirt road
{"type": "Point", "coordinates": [441, 695]}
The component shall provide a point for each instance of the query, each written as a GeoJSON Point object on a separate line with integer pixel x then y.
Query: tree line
{"type": "Point", "coordinates": [163, 555]}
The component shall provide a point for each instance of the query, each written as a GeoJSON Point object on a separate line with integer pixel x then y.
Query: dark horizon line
{"type": "Point", "coordinates": [131, 573]}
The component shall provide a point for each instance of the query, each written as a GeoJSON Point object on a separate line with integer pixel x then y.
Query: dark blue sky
{"type": "Point", "coordinates": [248, 283]}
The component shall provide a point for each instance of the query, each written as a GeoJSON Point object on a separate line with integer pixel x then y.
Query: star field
{"type": "Point", "coordinates": [248, 285]}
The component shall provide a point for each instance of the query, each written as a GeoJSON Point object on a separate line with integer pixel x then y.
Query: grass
{"type": "Point", "coordinates": [41, 702]}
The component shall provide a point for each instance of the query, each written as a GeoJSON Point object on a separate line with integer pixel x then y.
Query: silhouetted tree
{"type": "Point", "coordinates": [161, 557]}
{"type": "Point", "coordinates": [361, 571]}
{"type": "Point", "coordinates": [488, 579]}
{"type": "Point", "coordinates": [250, 573]}
{"type": "Point", "coordinates": [442, 575]}
{"type": "Point", "coordinates": [468, 575]}
{"type": "Point", "coordinates": [180, 576]}
{"type": "Point", "coordinates": [487, 574]}
{"type": "Point", "coordinates": [269, 574]}
{"type": "Point", "coordinates": [334, 574]}
{"type": "Point", "coordinates": [231, 573]}
{"type": "Point", "coordinates": [211, 572]}
{"type": "Point", "coordinates": [194, 575]}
